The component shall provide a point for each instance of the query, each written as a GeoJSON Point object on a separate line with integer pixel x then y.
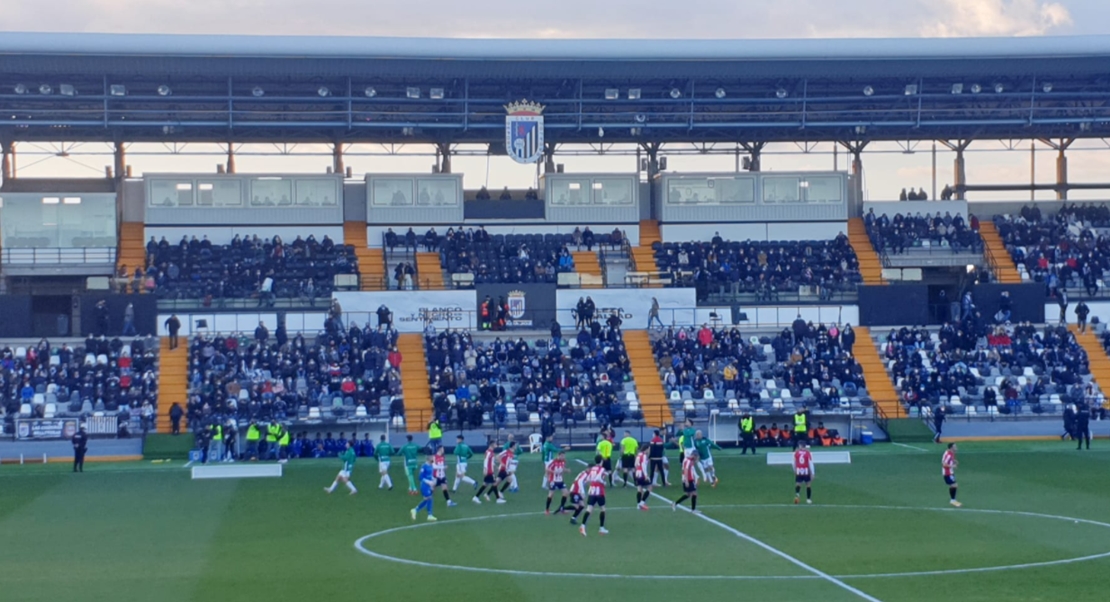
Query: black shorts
{"type": "Point", "coordinates": [440, 482]}
{"type": "Point", "coordinates": [607, 464]}
{"type": "Point", "coordinates": [576, 499]}
{"type": "Point", "coordinates": [554, 486]}
{"type": "Point", "coordinates": [628, 462]}
{"type": "Point", "coordinates": [488, 479]}
{"type": "Point", "coordinates": [950, 481]}
{"type": "Point", "coordinates": [502, 475]}
{"type": "Point", "coordinates": [595, 500]}
{"type": "Point", "coordinates": [690, 487]}
{"type": "Point", "coordinates": [643, 482]}
{"type": "Point", "coordinates": [802, 478]}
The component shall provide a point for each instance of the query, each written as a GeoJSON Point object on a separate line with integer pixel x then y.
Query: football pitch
{"type": "Point", "coordinates": [1035, 526]}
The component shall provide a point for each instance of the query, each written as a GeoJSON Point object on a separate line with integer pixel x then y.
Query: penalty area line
{"type": "Point", "coordinates": [920, 449]}
{"type": "Point", "coordinates": [777, 552]}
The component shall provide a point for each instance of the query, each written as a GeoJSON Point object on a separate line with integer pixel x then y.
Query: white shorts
{"type": "Point", "coordinates": [383, 467]}
{"type": "Point", "coordinates": [460, 469]}
{"type": "Point", "coordinates": [707, 464]}
{"type": "Point", "coordinates": [512, 466]}
{"type": "Point", "coordinates": [346, 474]}
{"type": "Point", "coordinates": [666, 462]}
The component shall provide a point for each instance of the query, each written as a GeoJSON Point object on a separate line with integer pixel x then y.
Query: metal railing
{"type": "Point", "coordinates": [58, 256]}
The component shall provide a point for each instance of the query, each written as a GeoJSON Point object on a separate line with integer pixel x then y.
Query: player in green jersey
{"type": "Point", "coordinates": [411, 453]}
{"type": "Point", "coordinates": [549, 451]}
{"type": "Point", "coordinates": [705, 459]}
{"type": "Point", "coordinates": [463, 454]}
{"type": "Point", "coordinates": [686, 440]}
{"type": "Point", "coordinates": [383, 452]}
{"type": "Point", "coordinates": [344, 476]}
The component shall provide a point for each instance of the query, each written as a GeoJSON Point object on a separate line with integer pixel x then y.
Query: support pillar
{"type": "Point", "coordinates": [443, 151]}
{"type": "Point", "coordinates": [1062, 175]}
{"type": "Point", "coordinates": [856, 149]}
{"type": "Point", "coordinates": [7, 165]}
{"type": "Point", "coordinates": [755, 152]}
{"type": "Point", "coordinates": [549, 157]}
{"type": "Point", "coordinates": [337, 158]}
{"type": "Point", "coordinates": [959, 175]}
{"type": "Point", "coordinates": [120, 161]}
{"type": "Point", "coordinates": [230, 158]}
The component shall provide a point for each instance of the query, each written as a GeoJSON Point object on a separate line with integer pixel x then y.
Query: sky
{"type": "Point", "coordinates": [887, 169]}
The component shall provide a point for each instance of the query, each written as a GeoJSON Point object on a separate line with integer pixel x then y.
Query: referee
{"type": "Point", "coordinates": [605, 450]}
{"type": "Point", "coordinates": [80, 446]}
{"type": "Point", "coordinates": [629, 447]}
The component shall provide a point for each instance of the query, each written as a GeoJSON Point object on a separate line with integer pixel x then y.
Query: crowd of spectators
{"type": "Point", "coordinates": [247, 267]}
{"type": "Point", "coordinates": [102, 375]}
{"type": "Point", "coordinates": [813, 363]}
{"type": "Point", "coordinates": [972, 363]}
{"type": "Point", "coordinates": [765, 268]}
{"type": "Point", "coordinates": [506, 258]}
{"type": "Point", "coordinates": [895, 235]}
{"type": "Point", "coordinates": [344, 372]}
{"type": "Point", "coordinates": [505, 379]}
{"type": "Point", "coordinates": [1064, 250]}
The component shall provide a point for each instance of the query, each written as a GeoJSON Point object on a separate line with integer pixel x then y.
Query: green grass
{"type": "Point", "coordinates": [165, 446]}
{"type": "Point", "coordinates": [908, 430]}
{"type": "Point", "coordinates": [144, 531]}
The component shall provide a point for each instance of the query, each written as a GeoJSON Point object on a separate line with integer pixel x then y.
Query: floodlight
{"type": "Point", "coordinates": [323, 91]}
{"type": "Point", "coordinates": [370, 92]}
{"type": "Point", "coordinates": [911, 89]}
{"type": "Point", "coordinates": [612, 93]}
{"type": "Point", "coordinates": [20, 89]}
{"type": "Point", "coordinates": [676, 93]}
{"type": "Point", "coordinates": [957, 88]}
{"type": "Point", "coordinates": [45, 89]}
{"type": "Point", "coordinates": [600, 132]}
{"type": "Point", "coordinates": [413, 93]}
{"type": "Point", "coordinates": [720, 93]}
{"type": "Point", "coordinates": [257, 92]}
{"type": "Point", "coordinates": [999, 88]}
{"type": "Point", "coordinates": [117, 90]}
{"type": "Point", "coordinates": [67, 90]}
{"type": "Point", "coordinates": [868, 90]}
{"type": "Point", "coordinates": [164, 90]}
{"type": "Point", "coordinates": [781, 92]}
{"type": "Point", "coordinates": [1047, 87]}
{"type": "Point", "coordinates": [436, 93]}
{"type": "Point", "coordinates": [634, 94]}
{"type": "Point", "coordinates": [976, 88]}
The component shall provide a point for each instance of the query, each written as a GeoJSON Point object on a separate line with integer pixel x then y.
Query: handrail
{"type": "Point", "coordinates": [57, 255]}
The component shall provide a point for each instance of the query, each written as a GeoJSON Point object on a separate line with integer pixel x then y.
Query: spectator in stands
{"type": "Point", "coordinates": [1081, 313]}
{"type": "Point", "coordinates": [482, 195]}
{"type": "Point", "coordinates": [431, 240]}
{"type": "Point", "coordinates": [531, 195]}
{"type": "Point", "coordinates": [895, 235]}
{"type": "Point", "coordinates": [505, 195]}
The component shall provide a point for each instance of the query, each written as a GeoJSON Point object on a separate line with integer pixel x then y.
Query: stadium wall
{"type": "Point", "coordinates": [354, 201]}
{"type": "Point", "coordinates": [683, 232]}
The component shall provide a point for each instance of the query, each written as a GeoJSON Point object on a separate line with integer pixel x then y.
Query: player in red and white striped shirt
{"type": "Point", "coordinates": [803, 472]}
{"type": "Point", "coordinates": [553, 476]}
{"type": "Point", "coordinates": [689, 481]}
{"type": "Point", "coordinates": [595, 495]}
{"type": "Point", "coordinates": [948, 465]}
{"type": "Point", "coordinates": [578, 494]}
{"type": "Point", "coordinates": [489, 477]}
{"type": "Point", "coordinates": [640, 474]}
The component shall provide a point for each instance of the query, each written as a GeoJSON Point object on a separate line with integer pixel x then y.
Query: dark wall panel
{"type": "Point", "coordinates": [15, 316]}
{"type": "Point", "coordinates": [146, 313]}
{"type": "Point", "coordinates": [1028, 300]}
{"type": "Point", "coordinates": [894, 305]}
{"type": "Point", "coordinates": [530, 305]}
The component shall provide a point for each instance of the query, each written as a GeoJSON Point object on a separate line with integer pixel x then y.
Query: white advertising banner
{"type": "Point", "coordinates": [676, 305]}
{"type": "Point", "coordinates": [412, 310]}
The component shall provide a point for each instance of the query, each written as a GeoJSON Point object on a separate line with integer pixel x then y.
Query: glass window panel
{"type": "Point", "coordinates": [171, 193]}
{"type": "Point", "coordinates": [316, 192]}
{"type": "Point", "coordinates": [824, 189]}
{"type": "Point", "coordinates": [710, 191]}
{"type": "Point", "coordinates": [781, 190]}
{"type": "Point", "coordinates": [391, 192]}
{"type": "Point", "coordinates": [271, 193]}
{"type": "Point", "coordinates": [570, 192]}
{"type": "Point", "coordinates": [612, 191]}
{"type": "Point", "coordinates": [437, 192]}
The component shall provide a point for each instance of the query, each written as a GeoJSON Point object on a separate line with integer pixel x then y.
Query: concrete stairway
{"type": "Point", "coordinates": [173, 381]}
{"type": "Point", "coordinates": [588, 263]}
{"type": "Point", "coordinates": [1099, 361]}
{"type": "Point", "coordinates": [643, 257]}
{"type": "Point", "coordinates": [371, 262]}
{"type": "Point", "coordinates": [653, 401]}
{"type": "Point", "coordinates": [870, 267]}
{"type": "Point", "coordinates": [132, 247]}
{"type": "Point", "coordinates": [429, 272]}
{"type": "Point", "coordinates": [879, 385]}
{"type": "Point", "coordinates": [414, 382]}
{"type": "Point", "coordinates": [994, 251]}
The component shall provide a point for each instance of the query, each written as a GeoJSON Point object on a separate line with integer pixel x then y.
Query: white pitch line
{"type": "Point", "coordinates": [777, 552]}
{"type": "Point", "coordinates": [920, 449]}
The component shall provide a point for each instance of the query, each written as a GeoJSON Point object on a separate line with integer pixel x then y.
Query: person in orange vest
{"type": "Point", "coordinates": [483, 314]}
{"type": "Point", "coordinates": [784, 438]}
{"type": "Point", "coordinates": [773, 435]}
{"type": "Point", "coordinates": [763, 435]}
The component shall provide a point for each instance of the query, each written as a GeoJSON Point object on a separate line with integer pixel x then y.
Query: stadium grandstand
{"type": "Point", "coordinates": [266, 314]}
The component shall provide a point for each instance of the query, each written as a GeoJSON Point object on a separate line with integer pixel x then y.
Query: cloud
{"type": "Point", "coordinates": [964, 18]}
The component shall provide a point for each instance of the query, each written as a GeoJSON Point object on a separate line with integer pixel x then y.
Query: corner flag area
{"type": "Point", "coordinates": [1034, 526]}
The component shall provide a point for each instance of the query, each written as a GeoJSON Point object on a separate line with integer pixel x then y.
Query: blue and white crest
{"type": "Point", "coordinates": [524, 131]}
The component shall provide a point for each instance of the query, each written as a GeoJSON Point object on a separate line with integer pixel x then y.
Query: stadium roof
{"type": "Point", "coordinates": [220, 88]}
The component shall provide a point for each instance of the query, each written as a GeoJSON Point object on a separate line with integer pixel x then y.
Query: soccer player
{"type": "Point", "coordinates": [344, 476]}
{"type": "Point", "coordinates": [506, 465]}
{"type": "Point", "coordinates": [803, 473]}
{"type": "Point", "coordinates": [549, 450]}
{"type": "Point", "coordinates": [595, 495]}
{"type": "Point", "coordinates": [657, 456]}
{"type": "Point", "coordinates": [577, 494]}
{"type": "Point", "coordinates": [554, 479]}
{"type": "Point", "coordinates": [439, 471]}
{"type": "Point", "coordinates": [640, 475]}
{"type": "Point", "coordinates": [686, 439]}
{"type": "Point", "coordinates": [948, 468]}
{"type": "Point", "coordinates": [489, 478]}
{"type": "Point", "coordinates": [629, 447]}
{"type": "Point", "coordinates": [383, 453]}
{"type": "Point", "coordinates": [703, 445]}
{"type": "Point", "coordinates": [427, 489]}
{"type": "Point", "coordinates": [689, 481]}
{"type": "Point", "coordinates": [463, 454]}
{"type": "Point", "coordinates": [411, 453]}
